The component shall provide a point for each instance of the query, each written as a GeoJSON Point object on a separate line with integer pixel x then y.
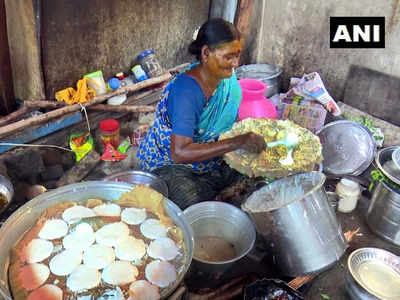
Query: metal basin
{"type": "Point", "coordinates": [140, 177]}
{"type": "Point", "coordinates": [373, 274]}
{"type": "Point", "coordinates": [267, 73]}
{"type": "Point", "coordinates": [298, 223]}
{"type": "Point", "coordinates": [26, 216]}
{"type": "Point", "coordinates": [225, 221]}
{"type": "Point", "coordinates": [6, 191]}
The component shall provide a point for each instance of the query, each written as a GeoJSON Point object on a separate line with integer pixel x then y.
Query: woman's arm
{"type": "Point", "coordinates": [184, 150]}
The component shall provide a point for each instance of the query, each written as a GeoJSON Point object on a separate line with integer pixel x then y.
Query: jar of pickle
{"type": "Point", "coordinates": [109, 132]}
{"type": "Point", "coordinates": [149, 63]}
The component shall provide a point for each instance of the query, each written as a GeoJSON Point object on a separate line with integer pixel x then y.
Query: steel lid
{"type": "Point", "coordinates": [384, 162]}
{"type": "Point", "coordinates": [396, 157]}
{"type": "Point", "coordinates": [348, 147]}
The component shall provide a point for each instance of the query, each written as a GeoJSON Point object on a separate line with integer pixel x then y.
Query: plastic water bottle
{"type": "Point", "coordinates": [139, 73]}
{"type": "Point", "coordinates": [114, 84]}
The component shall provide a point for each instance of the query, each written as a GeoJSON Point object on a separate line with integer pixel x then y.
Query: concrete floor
{"type": "Point", "coordinates": [330, 282]}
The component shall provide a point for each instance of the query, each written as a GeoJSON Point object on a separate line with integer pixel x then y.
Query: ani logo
{"type": "Point", "coordinates": [357, 32]}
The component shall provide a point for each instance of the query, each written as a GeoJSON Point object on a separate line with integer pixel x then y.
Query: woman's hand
{"type": "Point", "coordinates": [252, 142]}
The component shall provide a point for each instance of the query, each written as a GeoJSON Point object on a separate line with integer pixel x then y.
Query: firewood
{"type": "Point", "coordinates": [80, 169]}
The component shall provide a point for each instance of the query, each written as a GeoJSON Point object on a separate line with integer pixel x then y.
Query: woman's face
{"type": "Point", "coordinates": [221, 61]}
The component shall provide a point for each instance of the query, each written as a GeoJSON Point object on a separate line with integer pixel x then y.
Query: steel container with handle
{"type": "Point", "coordinates": [298, 223]}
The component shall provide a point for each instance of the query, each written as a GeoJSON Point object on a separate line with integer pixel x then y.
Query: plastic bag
{"type": "Point", "coordinates": [271, 289]}
{"type": "Point", "coordinates": [111, 154]}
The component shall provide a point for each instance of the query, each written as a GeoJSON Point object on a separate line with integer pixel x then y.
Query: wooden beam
{"type": "Point", "coordinates": [6, 80]}
{"type": "Point", "coordinates": [243, 16]}
{"type": "Point", "coordinates": [244, 12]}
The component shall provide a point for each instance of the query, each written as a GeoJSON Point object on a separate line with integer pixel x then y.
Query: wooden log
{"type": "Point", "coordinates": [9, 129]}
{"type": "Point", "coordinates": [123, 108]}
{"type": "Point", "coordinates": [35, 132]}
{"type": "Point", "coordinates": [96, 107]}
{"type": "Point", "coordinates": [80, 169]}
{"type": "Point", "coordinates": [15, 115]}
{"type": "Point", "coordinates": [43, 104]}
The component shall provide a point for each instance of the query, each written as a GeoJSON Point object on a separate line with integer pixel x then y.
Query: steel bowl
{"type": "Point", "coordinates": [225, 221]}
{"type": "Point", "coordinates": [348, 147]}
{"type": "Point", "coordinates": [27, 215]}
{"type": "Point", "coordinates": [140, 177]}
{"type": "Point", "coordinates": [384, 162]}
{"type": "Point", "coordinates": [6, 190]}
{"type": "Point", "coordinates": [373, 273]}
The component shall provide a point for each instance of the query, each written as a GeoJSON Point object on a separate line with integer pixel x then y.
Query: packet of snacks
{"type": "Point", "coordinates": [139, 133]}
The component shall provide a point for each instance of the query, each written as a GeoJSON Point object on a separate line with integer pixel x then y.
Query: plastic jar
{"type": "Point", "coordinates": [149, 63]}
{"type": "Point", "coordinates": [109, 132]}
{"type": "Point", "coordinates": [139, 73]}
{"type": "Point", "coordinates": [348, 192]}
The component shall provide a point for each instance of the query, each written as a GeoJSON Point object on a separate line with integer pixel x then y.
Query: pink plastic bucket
{"type": "Point", "coordinates": [254, 104]}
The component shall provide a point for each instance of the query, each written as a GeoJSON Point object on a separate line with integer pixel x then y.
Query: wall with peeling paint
{"type": "Point", "coordinates": [295, 35]}
{"type": "Point", "coordinates": [79, 37]}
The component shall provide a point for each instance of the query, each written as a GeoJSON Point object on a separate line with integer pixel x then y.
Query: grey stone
{"type": "Point", "coordinates": [52, 172]}
{"type": "Point", "coordinates": [25, 165]}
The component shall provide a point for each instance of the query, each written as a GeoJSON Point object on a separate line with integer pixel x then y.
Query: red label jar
{"type": "Point", "coordinates": [109, 132]}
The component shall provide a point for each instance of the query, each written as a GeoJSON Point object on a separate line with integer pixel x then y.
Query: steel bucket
{"type": "Point", "coordinates": [223, 220]}
{"type": "Point", "coordinates": [298, 223]}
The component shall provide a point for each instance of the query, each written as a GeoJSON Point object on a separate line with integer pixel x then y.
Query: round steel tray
{"type": "Point", "coordinates": [348, 147]}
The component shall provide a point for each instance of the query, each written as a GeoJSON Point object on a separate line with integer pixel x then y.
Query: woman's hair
{"type": "Point", "coordinates": [213, 33]}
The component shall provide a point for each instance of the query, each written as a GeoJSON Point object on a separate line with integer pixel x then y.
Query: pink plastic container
{"type": "Point", "coordinates": [254, 104]}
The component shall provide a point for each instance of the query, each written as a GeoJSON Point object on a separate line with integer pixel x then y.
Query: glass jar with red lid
{"type": "Point", "coordinates": [109, 132]}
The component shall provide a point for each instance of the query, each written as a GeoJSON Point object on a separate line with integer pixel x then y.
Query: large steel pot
{"type": "Point", "coordinates": [267, 73]}
{"type": "Point", "coordinates": [383, 215]}
{"type": "Point", "coordinates": [298, 223]}
{"type": "Point", "coordinates": [26, 216]}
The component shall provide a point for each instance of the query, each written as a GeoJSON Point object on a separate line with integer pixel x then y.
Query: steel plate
{"type": "Point", "coordinates": [370, 267]}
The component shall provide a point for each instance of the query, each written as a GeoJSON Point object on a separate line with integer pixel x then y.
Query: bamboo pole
{"type": "Point", "coordinates": [14, 127]}
{"type": "Point", "coordinates": [123, 108]}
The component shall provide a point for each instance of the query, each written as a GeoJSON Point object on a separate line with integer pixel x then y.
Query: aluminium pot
{"type": "Point", "coordinates": [383, 215]}
{"type": "Point", "coordinates": [298, 223]}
